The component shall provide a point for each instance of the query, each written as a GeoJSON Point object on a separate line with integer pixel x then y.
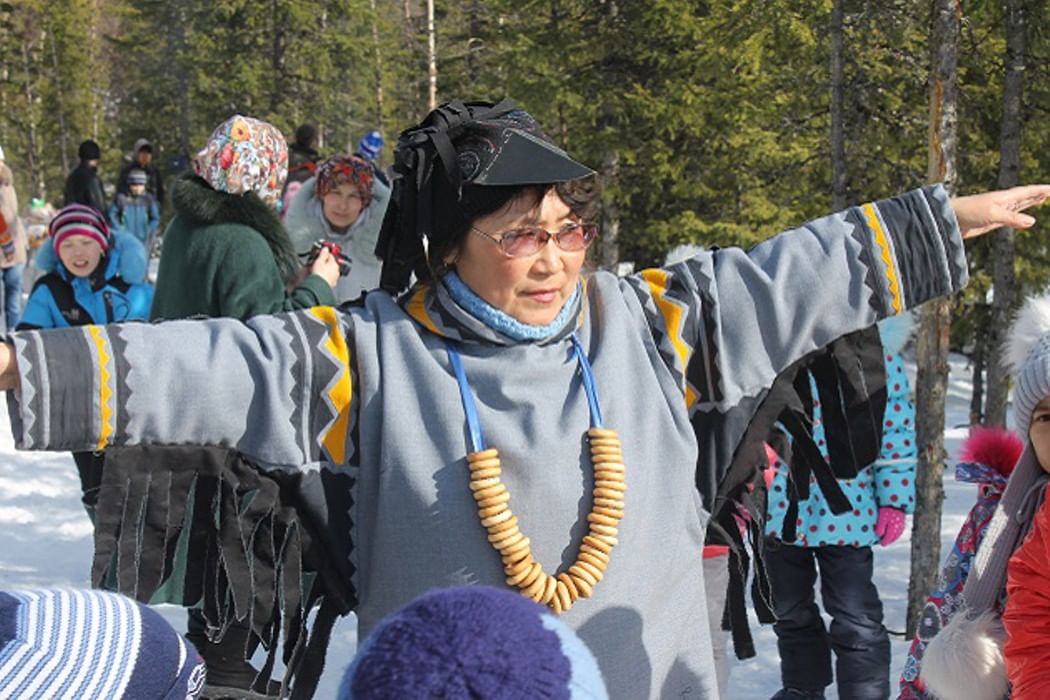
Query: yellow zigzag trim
{"type": "Point", "coordinates": [674, 315]}
{"type": "Point", "coordinates": [105, 394]}
{"type": "Point", "coordinates": [334, 439]}
{"type": "Point", "coordinates": [416, 309]}
{"type": "Point", "coordinates": [880, 238]}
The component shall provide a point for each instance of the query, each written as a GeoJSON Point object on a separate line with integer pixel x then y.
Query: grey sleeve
{"type": "Point", "coordinates": [727, 322]}
{"type": "Point", "coordinates": [277, 388]}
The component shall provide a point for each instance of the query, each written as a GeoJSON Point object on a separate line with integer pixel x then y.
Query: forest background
{"type": "Point", "coordinates": [717, 122]}
{"type": "Point", "coordinates": [711, 121]}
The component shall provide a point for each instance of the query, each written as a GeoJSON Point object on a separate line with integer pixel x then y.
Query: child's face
{"type": "Point", "coordinates": [137, 190]}
{"type": "Point", "coordinates": [1039, 433]}
{"type": "Point", "coordinates": [80, 255]}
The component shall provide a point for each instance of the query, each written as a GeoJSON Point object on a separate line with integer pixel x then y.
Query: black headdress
{"type": "Point", "coordinates": [459, 143]}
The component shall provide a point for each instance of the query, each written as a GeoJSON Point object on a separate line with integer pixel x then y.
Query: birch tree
{"type": "Point", "coordinates": [935, 322]}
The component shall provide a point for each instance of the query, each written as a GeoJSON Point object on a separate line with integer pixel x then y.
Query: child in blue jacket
{"type": "Point", "coordinates": [136, 212]}
{"type": "Point", "coordinates": [90, 277]}
{"type": "Point", "coordinates": [840, 546]}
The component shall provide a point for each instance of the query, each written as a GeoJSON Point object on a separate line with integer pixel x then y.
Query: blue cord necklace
{"type": "Point", "coordinates": [522, 571]}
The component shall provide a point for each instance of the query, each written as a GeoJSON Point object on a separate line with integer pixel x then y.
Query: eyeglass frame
{"type": "Point", "coordinates": [548, 237]}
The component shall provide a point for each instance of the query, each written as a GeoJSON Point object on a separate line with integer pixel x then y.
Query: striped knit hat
{"type": "Point", "coordinates": [79, 220]}
{"type": "Point", "coordinates": [473, 642]}
{"type": "Point", "coordinates": [92, 644]}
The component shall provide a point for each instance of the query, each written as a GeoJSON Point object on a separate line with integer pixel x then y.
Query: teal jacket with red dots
{"type": "Point", "coordinates": [889, 481]}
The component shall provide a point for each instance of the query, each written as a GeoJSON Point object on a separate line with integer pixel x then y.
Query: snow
{"type": "Point", "coordinates": [48, 543]}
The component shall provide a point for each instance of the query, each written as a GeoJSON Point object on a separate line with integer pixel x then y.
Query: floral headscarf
{"type": "Point", "coordinates": [342, 169]}
{"type": "Point", "coordinates": [245, 155]}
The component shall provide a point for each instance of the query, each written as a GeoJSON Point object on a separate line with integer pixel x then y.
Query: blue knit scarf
{"type": "Point", "coordinates": [502, 322]}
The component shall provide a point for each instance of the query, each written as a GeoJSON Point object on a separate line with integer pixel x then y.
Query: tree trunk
{"type": "Point", "coordinates": [473, 41]}
{"type": "Point", "coordinates": [277, 86]}
{"type": "Point", "coordinates": [1003, 277]}
{"type": "Point", "coordinates": [935, 323]}
{"type": "Point", "coordinates": [608, 246]}
{"type": "Point", "coordinates": [36, 174]}
{"type": "Point", "coordinates": [839, 200]}
{"type": "Point", "coordinates": [608, 253]}
{"type": "Point", "coordinates": [56, 76]}
{"type": "Point", "coordinates": [979, 360]}
{"type": "Point", "coordinates": [414, 98]}
{"type": "Point", "coordinates": [432, 71]}
{"type": "Point", "coordinates": [378, 68]}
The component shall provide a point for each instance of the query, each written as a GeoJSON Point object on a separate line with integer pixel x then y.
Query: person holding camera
{"type": "Point", "coordinates": [225, 252]}
{"type": "Point", "coordinates": [345, 204]}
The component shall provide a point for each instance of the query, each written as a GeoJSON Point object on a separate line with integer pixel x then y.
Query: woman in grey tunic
{"type": "Point", "coordinates": [502, 343]}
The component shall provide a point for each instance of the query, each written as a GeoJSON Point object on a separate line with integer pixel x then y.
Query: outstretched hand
{"type": "Point", "coordinates": [980, 213]}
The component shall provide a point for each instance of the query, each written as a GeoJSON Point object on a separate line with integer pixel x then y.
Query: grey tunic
{"type": "Point", "coordinates": [365, 397]}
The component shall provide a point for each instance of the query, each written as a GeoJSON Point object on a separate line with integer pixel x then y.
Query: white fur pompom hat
{"type": "Point", "coordinates": [1028, 359]}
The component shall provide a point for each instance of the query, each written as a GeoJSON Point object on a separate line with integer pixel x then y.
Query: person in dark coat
{"type": "Point", "coordinates": [83, 185]}
{"type": "Point", "coordinates": [302, 154]}
{"type": "Point", "coordinates": [142, 159]}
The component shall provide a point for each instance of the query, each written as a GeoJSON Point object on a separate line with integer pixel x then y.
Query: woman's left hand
{"type": "Point", "coordinates": [980, 213]}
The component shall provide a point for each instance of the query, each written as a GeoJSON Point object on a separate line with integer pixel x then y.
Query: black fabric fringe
{"type": "Point", "coordinates": [204, 528]}
{"type": "Point", "coordinates": [851, 378]}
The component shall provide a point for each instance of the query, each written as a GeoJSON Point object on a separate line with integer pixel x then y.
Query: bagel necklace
{"type": "Point", "coordinates": [522, 571]}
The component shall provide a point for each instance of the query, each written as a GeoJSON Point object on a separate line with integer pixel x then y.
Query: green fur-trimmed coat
{"type": "Point", "coordinates": [228, 255]}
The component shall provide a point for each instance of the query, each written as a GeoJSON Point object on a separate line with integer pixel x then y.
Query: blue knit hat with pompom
{"type": "Point", "coordinates": [473, 642]}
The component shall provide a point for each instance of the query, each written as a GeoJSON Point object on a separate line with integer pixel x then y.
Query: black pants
{"type": "Point", "coordinates": [860, 642]}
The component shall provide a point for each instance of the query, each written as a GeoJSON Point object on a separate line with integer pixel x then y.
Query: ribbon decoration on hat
{"type": "Point", "coordinates": [427, 186]}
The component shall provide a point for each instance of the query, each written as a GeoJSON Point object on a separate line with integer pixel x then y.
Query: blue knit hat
{"type": "Point", "coordinates": [370, 145]}
{"type": "Point", "coordinates": [92, 644]}
{"type": "Point", "coordinates": [473, 642]}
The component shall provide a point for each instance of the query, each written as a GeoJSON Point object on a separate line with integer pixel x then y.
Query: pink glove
{"type": "Point", "coordinates": [890, 525]}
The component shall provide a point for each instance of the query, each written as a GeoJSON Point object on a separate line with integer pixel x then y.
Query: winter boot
{"type": "Point", "coordinates": [796, 694]}
{"type": "Point", "coordinates": [230, 676]}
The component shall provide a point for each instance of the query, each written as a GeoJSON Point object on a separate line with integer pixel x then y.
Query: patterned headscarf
{"type": "Point", "coordinates": [245, 155]}
{"type": "Point", "coordinates": [338, 170]}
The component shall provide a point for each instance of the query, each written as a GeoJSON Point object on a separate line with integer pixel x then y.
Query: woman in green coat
{"type": "Point", "coordinates": [225, 252]}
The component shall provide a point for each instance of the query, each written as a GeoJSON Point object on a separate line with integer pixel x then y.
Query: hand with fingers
{"type": "Point", "coordinates": [980, 213]}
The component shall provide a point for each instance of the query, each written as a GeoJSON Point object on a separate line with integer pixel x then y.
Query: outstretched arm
{"type": "Point", "coordinates": [277, 388]}
{"type": "Point", "coordinates": [729, 321]}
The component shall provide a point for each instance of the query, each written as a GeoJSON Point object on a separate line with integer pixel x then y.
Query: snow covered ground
{"type": "Point", "coordinates": [47, 542]}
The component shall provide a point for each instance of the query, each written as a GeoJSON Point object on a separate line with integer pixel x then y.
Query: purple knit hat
{"type": "Point", "coordinates": [92, 644]}
{"type": "Point", "coordinates": [473, 642]}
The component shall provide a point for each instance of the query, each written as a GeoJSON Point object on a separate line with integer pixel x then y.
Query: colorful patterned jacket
{"type": "Point", "coordinates": [997, 451]}
{"type": "Point", "coordinates": [890, 481]}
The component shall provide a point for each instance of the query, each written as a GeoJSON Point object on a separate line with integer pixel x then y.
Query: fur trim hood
{"type": "Point", "coordinates": [965, 661]}
{"type": "Point", "coordinates": [126, 257]}
{"type": "Point", "coordinates": [195, 200]}
{"type": "Point", "coordinates": [1031, 324]}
